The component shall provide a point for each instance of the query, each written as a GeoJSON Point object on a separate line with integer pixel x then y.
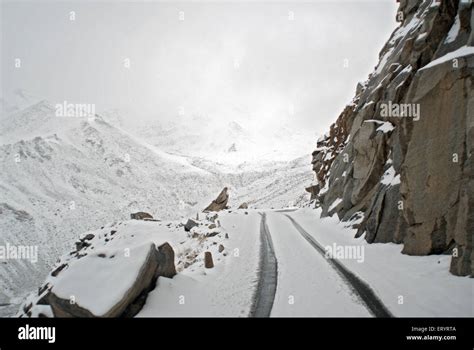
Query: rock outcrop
{"type": "Point", "coordinates": [397, 161]}
{"type": "Point", "coordinates": [219, 203]}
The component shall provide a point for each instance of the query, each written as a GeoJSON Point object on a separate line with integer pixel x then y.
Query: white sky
{"type": "Point", "coordinates": [191, 64]}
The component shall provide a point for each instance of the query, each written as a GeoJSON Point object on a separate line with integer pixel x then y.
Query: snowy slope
{"type": "Point", "coordinates": [62, 176]}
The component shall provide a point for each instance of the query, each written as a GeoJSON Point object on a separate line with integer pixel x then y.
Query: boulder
{"type": "Point", "coordinates": [219, 203]}
{"type": "Point", "coordinates": [140, 216]}
{"type": "Point", "coordinates": [190, 224]}
{"type": "Point", "coordinates": [111, 285]}
{"type": "Point", "coordinates": [208, 262]}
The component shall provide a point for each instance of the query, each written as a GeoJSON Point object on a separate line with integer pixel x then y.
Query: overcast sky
{"type": "Point", "coordinates": [233, 60]}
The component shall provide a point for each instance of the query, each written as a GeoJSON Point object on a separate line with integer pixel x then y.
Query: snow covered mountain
{"type": "Point", "coordinates": [219, 140]}
{"type": "Point", "coordinates": [17, 100]}
{"type": "Point", "coordinates": [61, 176]}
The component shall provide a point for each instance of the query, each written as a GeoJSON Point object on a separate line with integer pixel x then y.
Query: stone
{"type": "Point", "coordinates": [190, 224]}
{"type": "Point", "coordinates": [220, 248]}
{"type": "Point", "coordinates": [140, 216]}
{"type": "Point", "coordinates": [57, 270]}
{"type": "Point", "coordinates": [208, 262]}
{"type": "Point", "coordinates": [212, 234]}
{"type": "Point", "coordinates": [88, 237]}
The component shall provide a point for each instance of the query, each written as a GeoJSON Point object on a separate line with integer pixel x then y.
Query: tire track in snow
{"type": "Point", "coordinates": [268, 275]}
{"type": "Point", "coordinates": [361, 288]}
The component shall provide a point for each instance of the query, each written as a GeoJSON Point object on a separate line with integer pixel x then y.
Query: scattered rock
{"type": "Point", "coordinates": [221, 248]}
{"type": "Point", "coordinates": [212, 218]}
{"type": "Point", "coordinates": [58, 270]}
{"type": "Point", "coordinates": [227, 236]}
{"type": "Point", "coordinates": [212, 226]}
{"type": "Point", "coordinates": [81, 244]}
{"type": "Point", "coordinates": [90, 236]}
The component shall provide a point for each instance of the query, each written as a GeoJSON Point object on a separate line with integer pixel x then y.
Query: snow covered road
{"type": "Point", "coordinates": [307, 285]}
{"type": "Point", "coordinates": [361, 288]}
{"type": "Point", "coordinates": [276, 267]}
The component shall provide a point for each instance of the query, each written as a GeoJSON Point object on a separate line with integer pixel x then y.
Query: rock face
{"type": "Point", "coordinates": [220, 202]}
{"type": "Point", "coordinates": [399, 155]}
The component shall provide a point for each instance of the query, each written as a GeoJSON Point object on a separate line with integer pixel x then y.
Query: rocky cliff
{"type": "Point", "coordinates": [397, 161]}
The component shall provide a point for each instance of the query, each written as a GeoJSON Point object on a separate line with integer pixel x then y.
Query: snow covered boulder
{"type": "Point", "coordinates": [111, 283]}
